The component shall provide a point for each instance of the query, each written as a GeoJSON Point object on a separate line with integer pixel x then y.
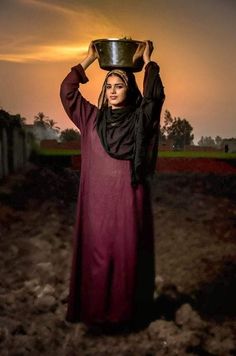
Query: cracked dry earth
{"type": "Point", "coordinates": [195, 309]}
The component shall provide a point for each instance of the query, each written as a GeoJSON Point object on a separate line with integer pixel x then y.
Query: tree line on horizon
{"type": "Point", "coordinates": [175, 129]}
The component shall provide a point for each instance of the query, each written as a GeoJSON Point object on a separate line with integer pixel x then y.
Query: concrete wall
{"type": "Point", "coordinates": [1, 160]}
{"type": "Point", "coordinates": [19, 151]}
{"type": "Point", "coordinates": [4, 163]}
{"type": "Point", "coordinates": [229, 145]}
{"type": "Point", "coordinates": [14, 150]}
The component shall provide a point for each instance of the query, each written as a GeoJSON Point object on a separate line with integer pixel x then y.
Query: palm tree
{"type": "Point", "coordinates": [51, 123]}
{"type": "Point", "coordinates": [41, 120]}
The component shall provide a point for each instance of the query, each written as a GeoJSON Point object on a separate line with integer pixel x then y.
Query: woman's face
{"type": "Point", "coordinates": [116, 92]}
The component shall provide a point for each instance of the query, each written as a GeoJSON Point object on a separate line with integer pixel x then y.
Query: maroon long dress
{"type": "Point", "coordinates": [112, 275]}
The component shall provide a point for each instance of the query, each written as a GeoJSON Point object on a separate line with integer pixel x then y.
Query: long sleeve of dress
{"type": "Point", "coordinates": [153, 93]}
{"type": "Point", "coordinates": [150, 110]}
{"type": "Point", "coordinates": [76, 106]}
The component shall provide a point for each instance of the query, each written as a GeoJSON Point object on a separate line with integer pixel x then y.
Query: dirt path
{"type": "Point", "coordinates": [195, 217]}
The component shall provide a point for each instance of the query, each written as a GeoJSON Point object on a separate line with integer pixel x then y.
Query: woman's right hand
{"type": "Point", "coordinates": [91, 56]}
{"type": "Point", "coordinates": [92, 53]}
{"type": "Point", "coordinates": [148, 52]}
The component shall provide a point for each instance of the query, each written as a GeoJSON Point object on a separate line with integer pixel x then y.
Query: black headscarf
{"type": "Point", "coordinates": [124, 132]}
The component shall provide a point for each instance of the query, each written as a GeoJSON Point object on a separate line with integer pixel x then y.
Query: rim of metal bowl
{"type": "Point", "coordinates": [116, 40]}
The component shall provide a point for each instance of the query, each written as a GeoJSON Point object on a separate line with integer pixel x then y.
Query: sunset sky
{"type": "Point", "coordinates": [40, 40]}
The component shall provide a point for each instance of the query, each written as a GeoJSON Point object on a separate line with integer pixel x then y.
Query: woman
{"type": "Point", "coordinates": [112, 276]}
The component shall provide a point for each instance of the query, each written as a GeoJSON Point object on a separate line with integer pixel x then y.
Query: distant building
{"type": "Point", "coordinates": [54, 144]}
{"type": "Point", "coordinates": [229, 145]}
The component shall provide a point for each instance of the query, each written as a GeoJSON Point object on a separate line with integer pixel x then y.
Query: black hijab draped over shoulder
{"type": "Point", "coordinates": [131, 133]}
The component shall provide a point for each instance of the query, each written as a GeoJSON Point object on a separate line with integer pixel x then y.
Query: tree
{"type": "Point", "coordinates": [168, 121]}
{"type": "Point", "coordinates": [21, 119]}
{"type": "Point", "coordinates": [51, 123]}
{"type": "Point", "coordinates": [69, 135]}
{"type": "Point", "coordinates": [162, 136]}
{"type": "Point", "coordinates": [206, 141]}
{"type": "Point", "coordinates": [177, 129]}
{"type": "Point", "coordinates": [41, 120]}
{"type": "Point", "coordinates": [218, 141]}
{"type": "Point", "coordinates": [8, 120]}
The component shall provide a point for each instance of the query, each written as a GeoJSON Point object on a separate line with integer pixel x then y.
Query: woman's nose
{"type": "Point", "coordinates": [113, 89]}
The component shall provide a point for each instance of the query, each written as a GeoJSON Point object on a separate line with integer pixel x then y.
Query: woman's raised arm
{"type": "Point", "coordinates": [153, 89]}
{"type": "Point", "coordinates": [76, 106]}
{"type": "Point", "coordinates": [147, 52]}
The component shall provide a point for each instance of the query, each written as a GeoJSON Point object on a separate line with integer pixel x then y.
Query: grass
{"type": "Point", "coordinates": [167, 154]}
{"type": "Point", "coordinates": [197, 154]}
{"type": "Point", "coordinates": [57, 152]}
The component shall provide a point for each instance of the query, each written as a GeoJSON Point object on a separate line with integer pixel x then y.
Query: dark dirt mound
{"type": "Point", "coordinates": [195, 219]}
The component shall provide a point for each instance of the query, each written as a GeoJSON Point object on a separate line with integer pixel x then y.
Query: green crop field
{"type": "Point", "coordinates": [197, 154]}
{"type": "Point", "coordinates": [167, 154]}
{"type": "Point", "coordinates": [57, 152]}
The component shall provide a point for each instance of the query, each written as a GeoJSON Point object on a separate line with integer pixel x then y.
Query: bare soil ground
{"type": "Point", "coordinates": [195, 219]}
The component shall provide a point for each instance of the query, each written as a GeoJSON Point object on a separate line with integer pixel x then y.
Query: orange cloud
{"type": "Point", "coordinates": [63, 39]}
{"type": "Point", "coordinates": [45, 53]}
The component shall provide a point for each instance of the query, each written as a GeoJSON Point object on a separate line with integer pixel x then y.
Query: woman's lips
{"type": "Point", "coordinates": [113, 97]}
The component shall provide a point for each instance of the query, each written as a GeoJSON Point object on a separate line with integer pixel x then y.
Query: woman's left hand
{"type": "Point", "coordinates": [148, 51]}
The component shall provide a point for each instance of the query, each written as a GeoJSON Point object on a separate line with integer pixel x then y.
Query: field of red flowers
{"type": "Point", "coordinates": [182, 164]}
{"type": "Point", "coordinates": [198, 165]}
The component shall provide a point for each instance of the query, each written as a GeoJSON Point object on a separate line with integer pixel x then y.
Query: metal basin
{"type": "Point", "coordinates": [120, 53]}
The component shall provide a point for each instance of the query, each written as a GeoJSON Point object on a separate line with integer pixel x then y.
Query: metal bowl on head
{"type": "Point", "coordinates": [124, 54]}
